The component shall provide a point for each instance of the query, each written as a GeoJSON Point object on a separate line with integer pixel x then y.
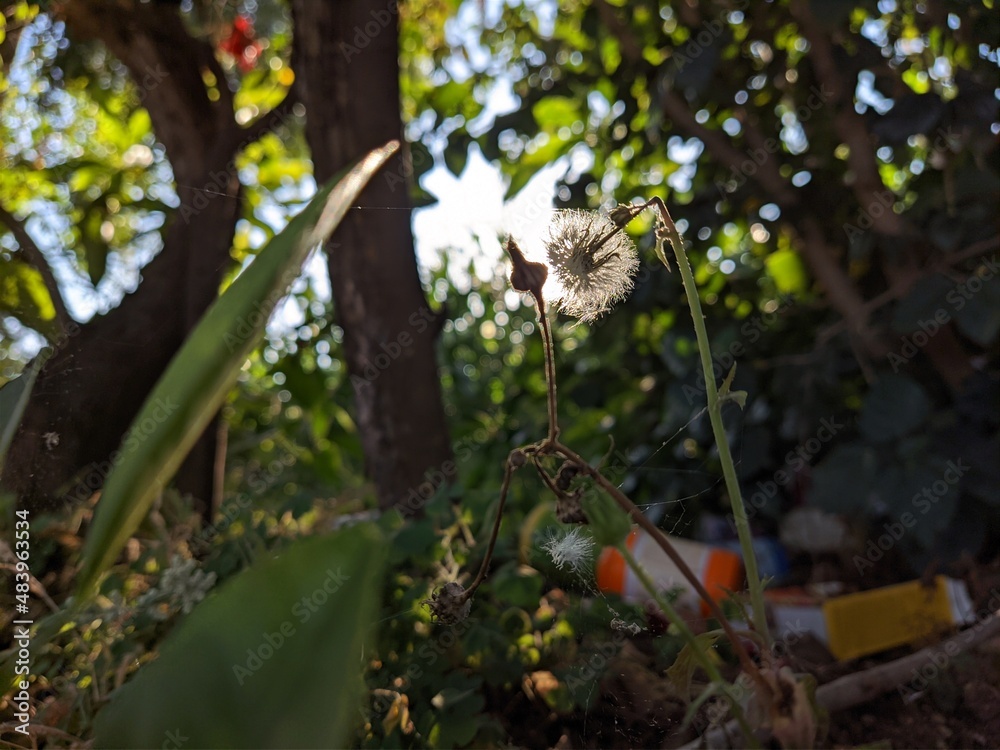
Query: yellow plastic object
{"type": "Point", "coordinates": [871, 621]}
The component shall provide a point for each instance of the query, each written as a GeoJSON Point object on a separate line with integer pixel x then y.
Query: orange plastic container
{"type": "Point", "coordinates": [719, 570]}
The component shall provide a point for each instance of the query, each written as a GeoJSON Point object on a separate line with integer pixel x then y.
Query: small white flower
{"type": "Point", "coordinates": [573, 549]}
{"type": "Point", "coordinates": [591, 262]}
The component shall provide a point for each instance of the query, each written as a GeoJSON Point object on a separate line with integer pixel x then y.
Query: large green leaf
{"type": "Point", "coordinates": [843, 481]}
{"type": "Point", "coordinates": [273, 659]}
{"type": "Point", "coordinates": [198, 378]}
{"type": "Point", "coordinates": [13, 398]}
{"type": "Point", "coordinates": [977, 310]}
{"type": "Point", "coordinates": [893, 407]}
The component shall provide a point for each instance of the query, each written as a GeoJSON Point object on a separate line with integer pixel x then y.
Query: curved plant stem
{"type": "Point", "coordinates": [504, 488]}
{"type": "Point", "coordinates": [678, 622]}
{"type": "Point", "coordinates": [718, 429]}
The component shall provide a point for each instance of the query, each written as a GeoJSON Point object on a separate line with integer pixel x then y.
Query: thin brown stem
{"type": "Point", "coordinates": [504, 488]}
{"type": "Point", "coordinates": [545, 477]}
{"type": "Point", "coordinates": [631, 212]}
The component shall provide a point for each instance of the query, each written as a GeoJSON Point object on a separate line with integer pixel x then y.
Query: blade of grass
{"type": "Point", "coordinates": [202, 372]}
{"type": "Point", "coordinates": [13, 398]}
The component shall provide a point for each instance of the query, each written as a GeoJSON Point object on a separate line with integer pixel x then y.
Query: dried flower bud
{"type": "Point", "coordinates": [569, 509]}
{"type": "Point", "coordinates": [567, 473]}
{"type": "Point", "coordinates": [622, 214]}
{"type": "Point", "coordinates": [592, 260]}
{"type": "Point", "coordinates": [517, 458]}
{"type": "Point", "coordinates": [527, 276]}
{"type": "Point", "coordinates": [448, 604]}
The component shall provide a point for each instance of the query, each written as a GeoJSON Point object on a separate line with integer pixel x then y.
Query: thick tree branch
{"type": "Point", "coordinates": [903, 267]}
{"type": "Point", "coordinates": [817, 252]}
{"type": "Point", "coordinates": [266, 122]}
{"type": "Point", "coordinates": [352, 104]}
{"type": "Point", "coordinates": [900, 289]}
{"type": "Point", "coordinates": [840, 290]}
{"type": "Point", "coordinates": [630, 46]}
{"type": "Point", "coordinates": [725, 153]}
{"type": "Point", "coordinates": [866, 181]}
{"type": "Point", "coordinates": [224, 107]}
{"type": "Point", "coordinates": [167, 65]}
{"type": "Point", "coordinates": [34, 257]}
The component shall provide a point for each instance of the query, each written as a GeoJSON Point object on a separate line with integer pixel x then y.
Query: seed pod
{"type": "Point", "coordinates": [567, 473]}
{"type": "Point", "coordinates": [517, 458]}
{"type": "Point", "coordinates": [592, 260]}
{"type": "Point", "coordinates": [448, 604]}
{"type": "Point", "coordinates": [527, 276]}
{"type": "Point", "coordinates": [569, 509]}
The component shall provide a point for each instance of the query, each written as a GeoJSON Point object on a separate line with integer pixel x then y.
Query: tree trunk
{"type": "Point", "coordinates": [347, 73]}
{"type": "Point", "coordinates": [96, 380]}
{"type": "Point", "coordinates": [89, 391]}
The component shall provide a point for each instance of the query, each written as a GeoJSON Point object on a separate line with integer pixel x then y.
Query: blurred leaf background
{"type": "Point", "coordinates": [834, 166]}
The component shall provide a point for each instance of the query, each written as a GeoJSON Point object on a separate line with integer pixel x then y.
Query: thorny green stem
{"type": "Point", "coordinates": [678, 622]}
{"type": "Point", "coordinates": [718, 429]}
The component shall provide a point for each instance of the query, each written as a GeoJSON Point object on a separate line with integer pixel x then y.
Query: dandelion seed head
{"type": "Point", "coordinates": [592, 262]}
{"type": "Point", "coordinates": [572, 550]}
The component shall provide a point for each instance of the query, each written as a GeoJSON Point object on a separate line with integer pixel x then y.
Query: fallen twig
{"type": "Point", "coordinates": [854, 689]}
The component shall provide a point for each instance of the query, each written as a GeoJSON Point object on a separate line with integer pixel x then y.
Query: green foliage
{"type": "Point", "coordinates": [22, 290]}
{"type": "Point", "coordinates": [893, 408]}
{"type": "Point", "coordinates": [202, 372]}
{"type": "Point", "coordinates": [14, 397]}
{"type": "Point", "coordinates": [608, 84]}
{"type": "Point", "coordinates": [610, 525]}
{"type": "Point", "coordinates": [728, 111]}
{"type": "Point", "coordinates": [429, 683]}
{"type": "Point", "coordinates": [241, 670]}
